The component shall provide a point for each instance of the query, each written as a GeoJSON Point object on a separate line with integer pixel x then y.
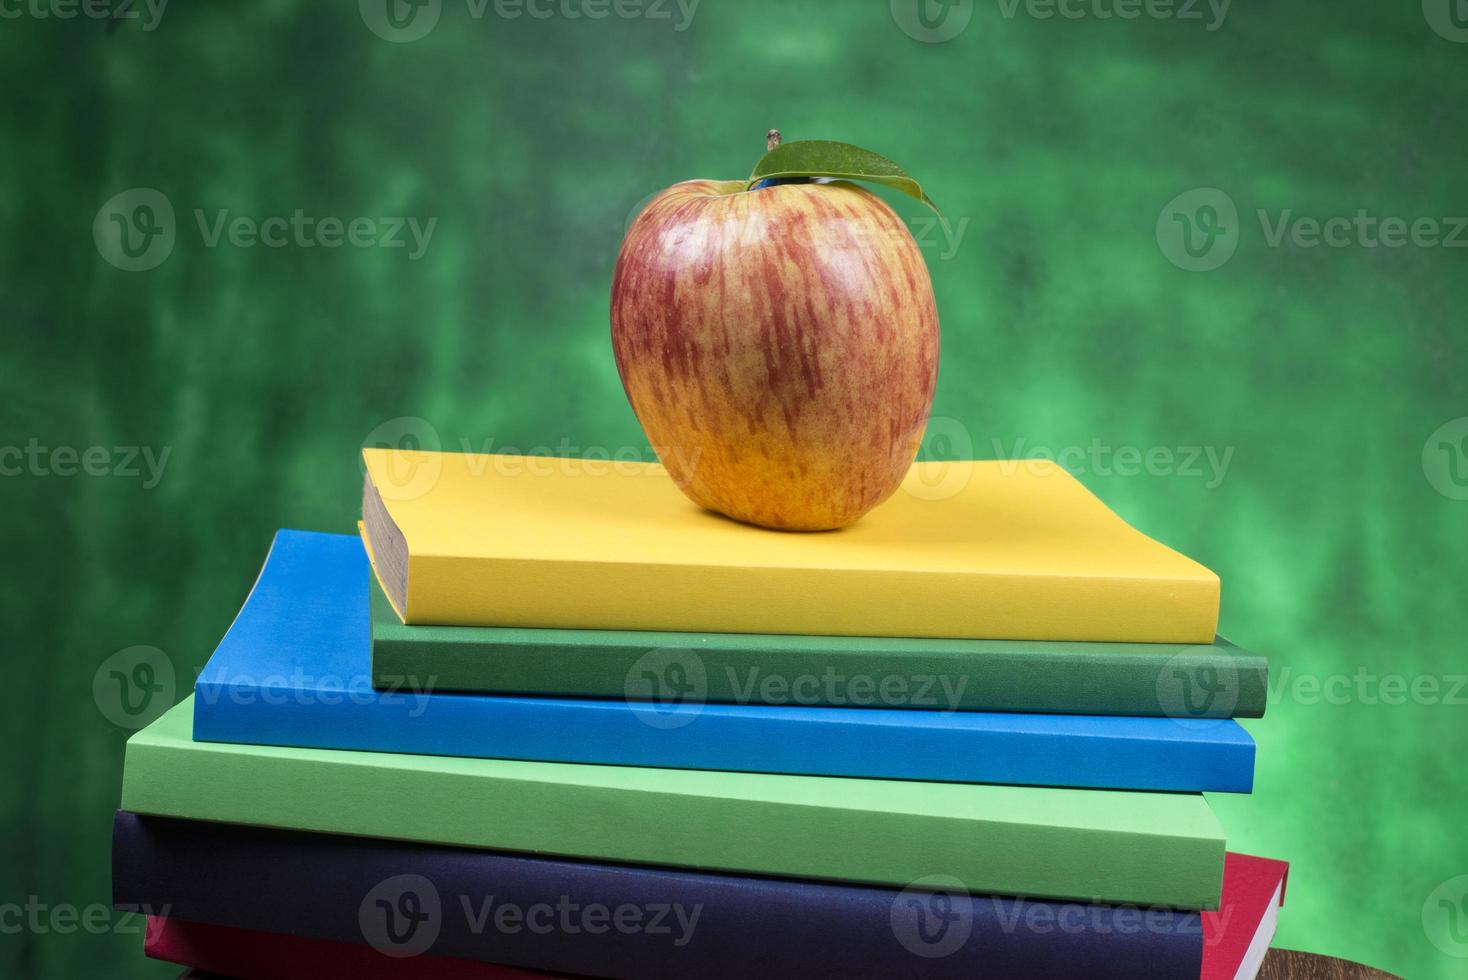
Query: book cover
{"type": "Point", "coordinates": [301, 643]}
{"type": "Point", "coordinates": [1237, 935]}
{"type": "Point", "coordinates": [481, 904]}
{"type": "Point", "coordinates": [1111, 846]}
{"type": "Point", "coordinates": [986, 550]}
{"type": "Point", "coordinates": [1216, 680]}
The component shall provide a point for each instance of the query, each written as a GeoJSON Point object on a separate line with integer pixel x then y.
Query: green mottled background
{"type": "Point", "coordinates": [1053, 146]}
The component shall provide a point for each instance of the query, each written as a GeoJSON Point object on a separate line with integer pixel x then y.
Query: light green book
{"type": "Point", "coordinates": [1120, 847]}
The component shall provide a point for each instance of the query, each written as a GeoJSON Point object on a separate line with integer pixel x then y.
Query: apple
{"type": "Point", "coordinates": [779, 346]}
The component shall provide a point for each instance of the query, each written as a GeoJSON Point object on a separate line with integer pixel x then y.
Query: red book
{"type": "Point", "coordinates": [1236, 937]}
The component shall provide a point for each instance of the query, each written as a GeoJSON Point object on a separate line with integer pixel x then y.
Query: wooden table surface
{"type": "Point", "coordinates": [1286, 964]}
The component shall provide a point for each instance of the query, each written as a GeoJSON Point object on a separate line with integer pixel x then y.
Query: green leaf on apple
{"type": "Point", "coordinates": [828, 158]}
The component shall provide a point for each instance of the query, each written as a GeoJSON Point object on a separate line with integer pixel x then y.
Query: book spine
{"type": "Point", "coordinates": [940, 745]}
{"type": "Point", "coordinates": [706, 925]}
{"type": "Point", "coordinates": [1078, 682]}
{"type": "Point", "coordinates": [455, 591]}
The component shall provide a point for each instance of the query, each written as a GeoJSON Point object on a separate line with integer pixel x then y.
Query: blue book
{"type": "Point", "coordinates": [295, 669]}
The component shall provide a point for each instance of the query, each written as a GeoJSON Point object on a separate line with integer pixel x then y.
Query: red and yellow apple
{"type": "Point", "coordinates": [778, 345]}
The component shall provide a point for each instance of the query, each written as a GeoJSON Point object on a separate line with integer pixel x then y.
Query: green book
{"type": "Point", "coordinates": [1216, 680]}
{"type": "Point", "coordinates": [1139, 848]}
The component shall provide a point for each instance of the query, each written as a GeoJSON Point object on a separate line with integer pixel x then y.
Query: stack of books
{"type": "Point", "coordinates": [545, 716]}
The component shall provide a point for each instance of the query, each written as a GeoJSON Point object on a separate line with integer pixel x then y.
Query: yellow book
{"type": "Point", "coordinates": [987, 550]}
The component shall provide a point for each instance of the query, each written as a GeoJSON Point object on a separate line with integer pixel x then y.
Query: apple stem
{"type": "Point", "coordinates": [772, 142]}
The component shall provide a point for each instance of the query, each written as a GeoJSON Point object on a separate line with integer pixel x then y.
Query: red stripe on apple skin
{"type": "Point", "coordinates": [779, 346]}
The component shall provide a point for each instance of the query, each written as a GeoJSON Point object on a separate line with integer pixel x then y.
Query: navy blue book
{"type": "Point", "coordinates": [295, 669]}
{"type": "Point", "coordinates": [614, 921]}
